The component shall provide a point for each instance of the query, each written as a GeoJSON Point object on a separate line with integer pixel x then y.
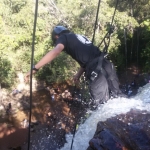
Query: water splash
{"type": "Point", "coordinates": [112, 108]}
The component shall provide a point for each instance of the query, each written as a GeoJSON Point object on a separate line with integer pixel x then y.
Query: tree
{"type": "Point", "coordinates": [145, 44]}
{"type": "Point", "coordinates": [137, 9]}
{"type": "Point", "coordinates": [16, 27]}
{"type": "Point", "coordinates": [6, 72]}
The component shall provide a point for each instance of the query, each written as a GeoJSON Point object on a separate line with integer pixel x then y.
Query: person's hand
{"type": "Point", "coordinates": [27, 76]}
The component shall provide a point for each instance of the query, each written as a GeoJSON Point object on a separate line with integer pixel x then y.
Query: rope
{"type": "Point", "coordinates": [96, 20]}
{"type": "Point", "coordinates": [32, 56]}
{"type": "Point", "coordinates": [109, 32]}
{"type": "Point", "coordinates": [74, 90]}
{"type": "Point", "coordinates": [75, 127]}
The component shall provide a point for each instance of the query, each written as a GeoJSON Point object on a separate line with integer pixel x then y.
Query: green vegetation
{"type": "Point", "coordinates": [16, 28]}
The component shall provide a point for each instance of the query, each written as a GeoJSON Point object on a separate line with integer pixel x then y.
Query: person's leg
{"type": "Point", "coordinates": [99, 89]}
{"type": "Point", "coordinates": [112, 79]}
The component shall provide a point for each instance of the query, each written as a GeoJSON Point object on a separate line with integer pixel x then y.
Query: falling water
{"type": "Point", "coordinates": [112, 108]}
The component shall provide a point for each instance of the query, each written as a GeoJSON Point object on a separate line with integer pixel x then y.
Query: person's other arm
{"type": "Point", "coordinates": [46, 59]}
{"type": "Point", "coordinates": [78, 74]}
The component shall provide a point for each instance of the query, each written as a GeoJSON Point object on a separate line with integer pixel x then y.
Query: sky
{"type": "Point", "coordinates": [110, 109]}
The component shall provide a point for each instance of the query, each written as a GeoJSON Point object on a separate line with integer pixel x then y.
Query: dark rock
{"type": "Point", "coordinates": [129, 131]}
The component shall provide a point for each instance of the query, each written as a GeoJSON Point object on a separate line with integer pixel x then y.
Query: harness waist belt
{"type": "Point", "coordinates": [98, 69]}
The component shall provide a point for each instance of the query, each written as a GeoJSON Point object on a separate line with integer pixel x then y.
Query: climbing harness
{"type": "Point", "coordinates": [92, 74]}
{"type": "Point", "coordinates": [32, 56]}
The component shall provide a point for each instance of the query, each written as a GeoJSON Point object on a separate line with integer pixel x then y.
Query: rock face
{"type": "Point", "coordinates": [129, 131]}
{"type": "Point", "coordinates": [106, 140]}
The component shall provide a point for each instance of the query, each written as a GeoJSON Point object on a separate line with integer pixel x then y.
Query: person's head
{"type": "Point", "coordinates": [57, 31]}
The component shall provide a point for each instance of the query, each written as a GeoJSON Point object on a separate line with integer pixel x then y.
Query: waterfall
{"type": "Point", "coordinates": [110, 109]}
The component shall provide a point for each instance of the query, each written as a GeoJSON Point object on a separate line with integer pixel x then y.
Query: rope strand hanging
{"type": "Point", "coordinates": [108, 34]}
{"type": "Point", "coordinates": [32, 57]}
{"type": "Point", "coordinates": [98, 8]}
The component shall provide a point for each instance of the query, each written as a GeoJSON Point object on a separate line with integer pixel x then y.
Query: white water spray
{"type": "Point", "coordinates": [112, 108]}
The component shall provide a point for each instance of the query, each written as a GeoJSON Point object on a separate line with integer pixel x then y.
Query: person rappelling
{"type": "Point", "coordinates": [98, 70]}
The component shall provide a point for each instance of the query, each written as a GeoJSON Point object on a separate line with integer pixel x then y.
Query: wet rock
{"type": "Point", "coordinates": [15, 148]}
{"type": "Point", "coordinates": [132, 130]}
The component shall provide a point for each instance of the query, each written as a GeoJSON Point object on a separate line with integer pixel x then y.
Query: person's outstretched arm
{"type": "Point", "coordinates": [46, 59]}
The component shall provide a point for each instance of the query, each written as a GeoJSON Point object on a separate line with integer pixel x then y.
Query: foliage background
{"type": "Point", "coordinates": [16, 27]}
